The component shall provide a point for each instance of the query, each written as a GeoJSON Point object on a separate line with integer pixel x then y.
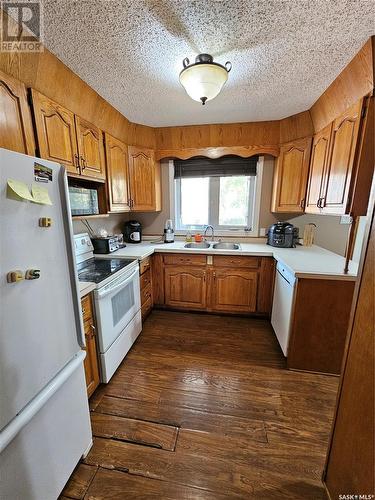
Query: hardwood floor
{"type": "Point", "coordinates": [204, 408]}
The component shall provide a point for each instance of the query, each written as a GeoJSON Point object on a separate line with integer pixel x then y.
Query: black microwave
{"type": "Point", "coordinates": [83, 201]}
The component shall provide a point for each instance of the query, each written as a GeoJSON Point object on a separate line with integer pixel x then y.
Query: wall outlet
{"type": "Point", "coordinates": [346, 219]}
{"type": "Point", "coordinates": [262, 231]}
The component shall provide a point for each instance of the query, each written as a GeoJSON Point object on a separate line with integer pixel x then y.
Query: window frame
{"type": "Point", "coordinates": [223, 230]}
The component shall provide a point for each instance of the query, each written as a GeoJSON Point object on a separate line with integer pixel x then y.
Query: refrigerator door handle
{"type": "Point", "coordinates": [11, 430]}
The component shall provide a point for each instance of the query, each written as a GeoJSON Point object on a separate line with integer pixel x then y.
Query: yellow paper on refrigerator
{"type": "Point", "coordinates": [40, 195]}
{"type": "Point", "coordinates": [19, 189]}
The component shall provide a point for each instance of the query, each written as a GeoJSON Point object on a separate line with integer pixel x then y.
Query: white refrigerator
{"type": "Point", "coordinates": [44, 415]}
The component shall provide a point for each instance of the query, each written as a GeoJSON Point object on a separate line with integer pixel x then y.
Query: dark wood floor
{"type": "Point", "coordinates": [203, 408]}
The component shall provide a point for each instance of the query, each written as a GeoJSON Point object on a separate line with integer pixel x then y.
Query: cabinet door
{"type": "Point", "coordinates": [56, 132]}
{"type": "Point", "coordinates": [142, 179]}
{"type": "Point", "coordinates": [341, 160]}
{"type": "Point", "coordinates": [91, 359]}
{"type": "Point", "coordinates": [16, 131]}
{"type": "Point", "coordinates": [185, 287]}
{"type": "Point", "coordinates": [90, 149]}
{"type": "Point", "coordinates": [234, 290]}
{"type": "Point", "coordinates": [318, 164]}
{"type": "Point", "coordinates": [290, 178]}
{"type": "Point", "coordinates": [117, 174]}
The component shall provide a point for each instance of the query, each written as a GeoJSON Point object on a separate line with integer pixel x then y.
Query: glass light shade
{"type": "Point", "coordinates": [203, 80]}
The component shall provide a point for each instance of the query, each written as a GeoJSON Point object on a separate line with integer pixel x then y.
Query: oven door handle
{"type": "Point", "coordinates": [122, 284]}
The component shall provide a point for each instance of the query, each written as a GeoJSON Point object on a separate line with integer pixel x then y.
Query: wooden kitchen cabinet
{"type": "Point", "coordinates": [290, 177]}
{"type": "Point", "coordinates": [68, 139]}
{"type": "Point", "coordinates": [90, 149]}
{"type": "Point", "coordinates": [185, 287]}
{"type": "Point", "coordinates": [145, 271]}
{"type": "Point", "coordinates": [233, 290]}
{"type": "Point", "coordinates": [16, 131]}
{"type": "Point", "coordinates": [221, 283]}
{"type": "Point", "coordinates": [319, 324]}
{"type": "Point", "coordinates": [56, 133]}
{"type": "Point", "coordinates": [91, 360]}
{"type": "Point", "coordinates": [117, 174]}
{"type": "Point", "coordinates": [318, 165]}
{"type": "Point", "coordinates": [339, 170]}
{"type": "Point", "coordinates": [144, 180]}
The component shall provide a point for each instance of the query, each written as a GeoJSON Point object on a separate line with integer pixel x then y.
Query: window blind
{"type": "Point", "coordinates": [226, 166]}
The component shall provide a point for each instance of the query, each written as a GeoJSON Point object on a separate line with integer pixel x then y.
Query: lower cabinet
{"type": "Point", "coordinates": [91, 360]}
{"type": "Point", "coordinates": [234, 290]}
{"type": "Point", "coordinates": [146, 287]}
{"type": "Point", "coordinates": [232, 284]}
{"type": "Point", "coordinates": [185, 287]}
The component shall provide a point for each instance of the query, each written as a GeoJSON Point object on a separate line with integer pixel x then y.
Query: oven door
{"type": "Point", "coordinates": [116, 305]}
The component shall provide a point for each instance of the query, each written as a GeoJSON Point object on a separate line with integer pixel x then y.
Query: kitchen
{"type": "Point", "coordinates": [205, 271]}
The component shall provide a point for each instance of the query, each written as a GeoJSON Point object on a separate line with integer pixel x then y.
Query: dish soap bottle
{"type": "Point", "coordinates": [168, 232]}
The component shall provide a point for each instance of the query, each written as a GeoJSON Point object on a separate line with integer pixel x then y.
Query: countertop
{"type": "Point", "coordinates": [85, 287]}
{"type": "Point", "coordinates": [303, 262]}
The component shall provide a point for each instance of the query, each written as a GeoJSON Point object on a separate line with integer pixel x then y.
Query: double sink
{"type": "Point", "coordinates": [217, 246]}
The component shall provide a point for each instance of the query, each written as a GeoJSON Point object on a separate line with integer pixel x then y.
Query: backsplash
{"type": "Point", "coordinates": [113, 224]}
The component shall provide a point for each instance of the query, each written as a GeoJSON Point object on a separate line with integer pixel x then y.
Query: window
{"type": "Point", "coordinates": [220, 192]}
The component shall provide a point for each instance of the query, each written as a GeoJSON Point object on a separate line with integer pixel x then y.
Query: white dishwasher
{"type": "Point", "coordinates": [283, 297]}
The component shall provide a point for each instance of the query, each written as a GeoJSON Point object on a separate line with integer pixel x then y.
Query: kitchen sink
{"type": "Point", "coordinates": [202, 244]}
{"type": "Point", "coordinates": [226, 246]}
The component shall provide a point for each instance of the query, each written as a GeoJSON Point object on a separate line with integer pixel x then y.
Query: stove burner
{"type": "Point", "coordinates": [97, 270]}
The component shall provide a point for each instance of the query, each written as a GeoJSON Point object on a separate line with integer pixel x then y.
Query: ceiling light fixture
{"type": "Point", "coordinates": [204, 79]}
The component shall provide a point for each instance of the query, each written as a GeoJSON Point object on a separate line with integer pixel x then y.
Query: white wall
{"type": "Point", "coordinates": [329, 233]}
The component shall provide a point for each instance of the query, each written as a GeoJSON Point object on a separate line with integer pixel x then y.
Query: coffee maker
{"type": "Point", "coordinates": [133, 231]}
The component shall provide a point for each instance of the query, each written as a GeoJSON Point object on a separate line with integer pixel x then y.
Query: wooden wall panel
{"type": "Point", "coordinates": [355, 81]}
{"type": "Point", "coordinates": [218, 135]}
{"type": "Point", "coordinates": [47, 74]}
{"type": "Point", "coordinates": [296, 127]}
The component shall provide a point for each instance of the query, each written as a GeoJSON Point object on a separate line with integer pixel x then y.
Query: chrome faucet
{"type": "Point", "coordinates": [205, 232]}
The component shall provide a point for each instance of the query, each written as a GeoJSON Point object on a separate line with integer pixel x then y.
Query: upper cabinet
{"type": "Point", "coordinates": [16, 132]}
{"type": "Point", "coordinates": [341, 161]}
{"type": "Point", "coordinates": [117, 174]}
{"type": "Point", "coordinates": [336, 171]}
{"type": "Point", "coordinates": [144, 180]}
{"type": "Point", "coordinates": [318, 163]}
{"type": "Point", "coordinates": [55, 129]}
{"type": "Point", "coordinates": [90, 149]}
{"type": "Point", "coordinates": [290, 177]}
{"type": "Point", "coordinates": [68, 139]}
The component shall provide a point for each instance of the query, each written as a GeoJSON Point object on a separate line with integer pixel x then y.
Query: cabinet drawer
{"type": "Point", "coordinates": [144, 265]}
{"type": "Point", "coordinates": [236, 260]}
{"type": "Point", "coordinates": [86, 308]}
{"type": "Point", "coordinates": [146, 308]}
{"type": "Point", "coordinates": [146, 294]}
{"type": "Point", "coordinates": [183, 258]}
{"type": "Point", "coordinates": [145, 279]}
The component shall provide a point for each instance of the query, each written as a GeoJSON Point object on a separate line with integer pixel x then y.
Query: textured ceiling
{"type": "Point", "coordinates": [284, 53]}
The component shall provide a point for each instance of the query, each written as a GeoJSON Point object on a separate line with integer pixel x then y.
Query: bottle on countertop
{"type": "Point", "coordinates": [168, 232]}
{"type": "Point", "coordinates": [188, 237]}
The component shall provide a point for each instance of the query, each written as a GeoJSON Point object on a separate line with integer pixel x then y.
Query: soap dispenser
{"type": "Point", "coordinates": [168, 231]}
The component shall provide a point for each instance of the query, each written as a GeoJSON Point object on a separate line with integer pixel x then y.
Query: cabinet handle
{"type": "Point", "coordinates": [302, 204]}
{"type": "Point", "coordinates": [214, 275]}
{"type": "Point", "coordinates": [204, 277]}
{"type": "Point", "coordinates": [322, 202]}
{"type": "Point", "coordinates": [318, 203]}
{"type": "Point", "coordinates": [76, 163]}
{"type": "Point", "coordinates": [84, 163]}
{"type": "Point", "coordinates": [83, 310]}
